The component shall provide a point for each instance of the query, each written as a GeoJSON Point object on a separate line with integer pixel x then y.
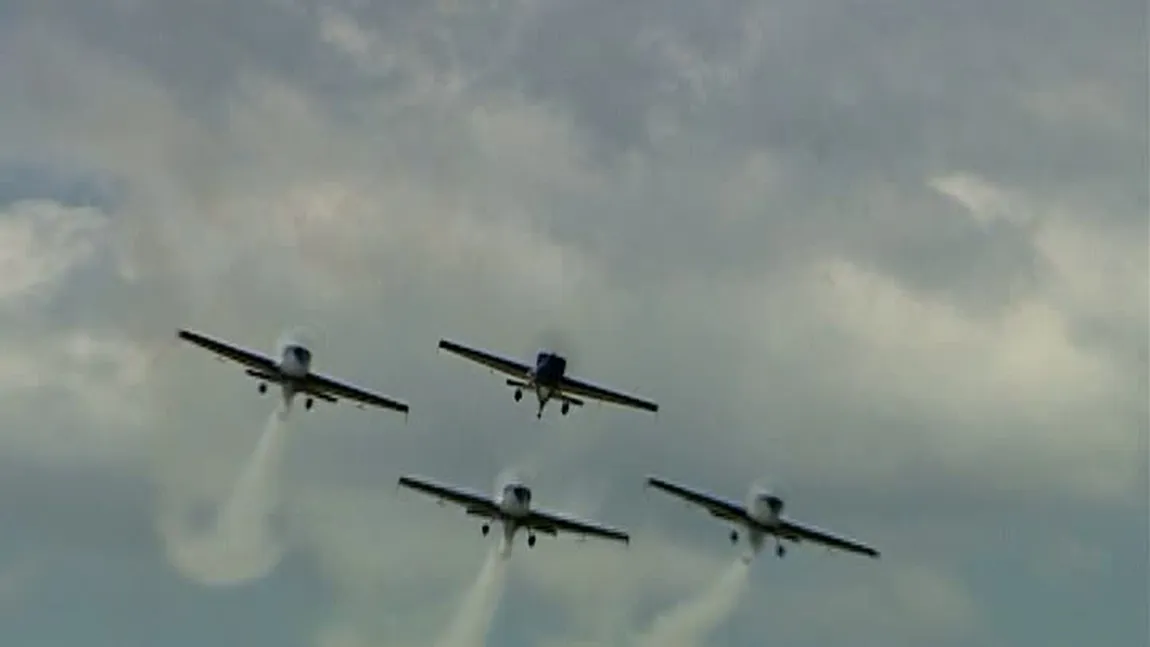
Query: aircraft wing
{"type": "Point", "coordinates": [579, 387]}
{"type": "Point", "coordinates": [243, 356]}
{"type": "Point", "coordinates": [552, 524]}
{"type": "Point", "coordinates": [501, 364]}
{"type": "Point", "coordinates": [801, 532]}
{"type": "Point", "coordinates": [473, 502]}
{"type": "Point", "coordinates": [716, 506]}
{"type": "Point", "coordinates": [327, 386]}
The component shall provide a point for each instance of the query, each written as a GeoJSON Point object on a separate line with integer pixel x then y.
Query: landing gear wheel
{"type": "Point", "coordinates": [307, 404]}
{"type": "Point", "coordinates": [518, 395]}
{"type": "Point", "coordinates": [530, 541]}
{"type": "Point", "coordinates": [486, 529]}
{"type": "Point", "coordinates": [263, 388]}
{"type": "Point", "coordinates": [780, 551]}
{"type": "Point", "coordinates": [734, 537]}
{"type": "Point", "coordinates": [565, 408]}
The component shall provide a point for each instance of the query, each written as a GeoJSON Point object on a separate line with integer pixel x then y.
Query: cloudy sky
{"type": "Point", "coordinates": [888, 257]}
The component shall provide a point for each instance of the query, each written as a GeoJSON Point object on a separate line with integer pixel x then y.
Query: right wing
{"type": "Point", "coordinates": [802, 532]}
{"type": "Point", "coordinates": [501, 364]}
{"type": "Point", "coordinates": [552, 524]}
{"type": "Point", "coordinates": [586, 389]}
{"type": "Point", "coordinates": [322, 385]}
{"type": "Point", "coordinates": [243, 356]}
{"type": "Point", "coordinates": [473, 502]}
{"type": "Point", "coordinates": [718, 507]}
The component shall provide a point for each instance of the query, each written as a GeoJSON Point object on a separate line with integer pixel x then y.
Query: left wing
{"type": "Point", "coordinates": [243, 356]}
{"type": "Point", "coordinates": [718, 507]}
{"type": "Point", "coordinates": [552, 524]}
{"type": "Point", "coordinates": [473, 502]}
{"type": "Point", "coordinates": [501, 364]}
{"type": "Point", "coordinates": [800, 532]}
{"type": "Point", "coordinates": [579, 387]}
{"type": "Point", "coordinates": [322, 385]}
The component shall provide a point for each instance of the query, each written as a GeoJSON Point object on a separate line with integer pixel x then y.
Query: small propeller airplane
{"type": "Point", "coordinates": [292, 371]}
{"type": "Point", "coordinates": [547, 378]}
{"type": "Point", "coordinates": [761, 516]}
{"type": "Point", "coordinates": [511, 507]}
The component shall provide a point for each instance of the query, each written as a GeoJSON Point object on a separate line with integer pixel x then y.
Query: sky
{"type": "Point", "coordinates": [889, 258]}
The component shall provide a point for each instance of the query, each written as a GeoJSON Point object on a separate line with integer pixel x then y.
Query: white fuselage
{"type": "Point", "coordinates": [295, 362]}
{"type": "Point", "coordinates": [764, 508]}
{"type": "Point", "coordinates": [514, 501]}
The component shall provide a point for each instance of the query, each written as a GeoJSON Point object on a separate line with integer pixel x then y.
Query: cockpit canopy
{"type": "Point", "coordinates": [300, 354]}
{"type": "Point", "coordinates": [549, 365]}
{"type": "Point", "coordinates": [773, 501]}
{"type": "Point", "coordinates": [521, 494]}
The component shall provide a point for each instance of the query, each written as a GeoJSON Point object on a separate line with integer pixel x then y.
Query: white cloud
{"type": "Point", "coordinates": [484, 213]}
{"type": "Point", "coordinates": [984, 201]}
{"type": "Point", "coordinates": [902, 603]}
{"type": "Point", "coordinates": [101, 379]}
{"type": "Point", "coordinates": [41, 243]}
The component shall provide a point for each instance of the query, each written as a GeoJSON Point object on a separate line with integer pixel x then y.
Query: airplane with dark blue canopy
{"type": "Point", "coordinates": [548, 379]}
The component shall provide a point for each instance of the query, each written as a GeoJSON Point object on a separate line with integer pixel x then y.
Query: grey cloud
{"type": "Point", "coordinates": [686, 201]}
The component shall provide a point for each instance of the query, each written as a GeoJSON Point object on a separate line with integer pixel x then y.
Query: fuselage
{"type": "Point", "coordinates": [546, 376]}
{"type": "Point", "coordinates": [514, 501]}
{"type": "Point", "coordinates": [763, 509]}
{"type": "Point", "coordinates": [547, 373]}
{"type": "Point", "coordinates": [294, 365]}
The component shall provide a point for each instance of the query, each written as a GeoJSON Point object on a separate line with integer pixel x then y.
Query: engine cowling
{"type": "Point", "coordinates": [515, 500]}
{"type": "Point", "coordinates": [295, 360]}
{"type": "Point", "coordinates": [765, 507]}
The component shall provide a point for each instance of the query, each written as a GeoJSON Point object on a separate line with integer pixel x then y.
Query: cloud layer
{"type": "Point", "coordinates": [890, 258]}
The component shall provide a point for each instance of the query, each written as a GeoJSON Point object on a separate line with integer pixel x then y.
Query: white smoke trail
{"type": "Point", "coordinates": [240, 547]}
{"type": "Point", "coordinates": [688, 624]}
{"type": "Point", "coordinates": [470, 625]}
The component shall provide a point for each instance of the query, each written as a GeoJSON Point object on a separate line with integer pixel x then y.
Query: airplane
{"type": "Point", "coordinates": [761, 516]}
{"type": "Point", "coordinates": [511, 507]}
{"type": "Point", "coordinates": [292, 371]}
{"type": "Point", "coordinates": [547, 379]}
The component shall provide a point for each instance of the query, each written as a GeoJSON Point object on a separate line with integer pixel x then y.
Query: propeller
{"type": "Point", "coordinates": [299, 336]}
{"type": "Point", "coordinates": [556, 340]}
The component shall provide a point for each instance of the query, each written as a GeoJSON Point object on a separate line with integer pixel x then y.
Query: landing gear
{"type": "Point", "coordinates": [565, 408]}
{"type": "Point", "coordinates": [307, 404]}
{"type": "Point", "coordinates": [263, 388]}
{"type": "Point", "coordinates": [530, 541]}
{"type": "Point", "coordinates": [486, 529]}
{"type": "Point", "coordinates": [539, 414]}
{"type": "Point", "coordinates": [518, 395]}
{"type": "Point", "coordinates": [734, 537]}
{"type": "Point", "coordinates": [780, 550]}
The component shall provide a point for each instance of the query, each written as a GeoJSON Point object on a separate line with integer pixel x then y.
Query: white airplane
{"type": "Point", "coordinates": [292, 371]}
{"type": "Point", "coordinates": [547, 378]}
{"type": "Point", "coordinates": [511, 507]}
{"type": "Point", "coordinates": [761, 516]}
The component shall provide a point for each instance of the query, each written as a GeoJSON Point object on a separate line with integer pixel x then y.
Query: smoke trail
{"type": "Point", "coordinates": [469, 626]}
{"type": "Point", "coordinates": [688, 624]}
{"type": "Point", "coordinates": [240, 547]}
